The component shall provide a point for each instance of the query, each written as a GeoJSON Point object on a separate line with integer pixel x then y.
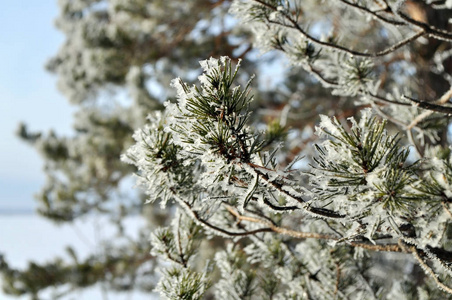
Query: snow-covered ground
{"type": "Point", "coordinates": [25, 237]}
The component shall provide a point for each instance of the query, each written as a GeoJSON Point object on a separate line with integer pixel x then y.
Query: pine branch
{"type": "Point", "coordinates": [426, 29]}
{"type": "Point", "coordinates": [309, 235]}
{"type": "Point", "coordinates": [429, 105]}
{"type": "Point", "coordinates": [335, 47]}
{"type": "Point", "coordinates": [333, 84]}
{"type": "Point", "coordinates": [429, 270]}
{"type": "Point", "coordinates": [374, 14]}
{"type": "Point", "coordinates": [215, 228]}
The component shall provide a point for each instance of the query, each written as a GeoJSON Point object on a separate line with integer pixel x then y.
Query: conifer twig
{"type": "Point", "coordinates": [429, 105]}
{"type": "Point", "coordinates": [373, 13]}
{"type": "Point", "coordinates": [308, 235]}
{"type": "Point", "coordinates": [222, 231]}
{"type": "Point", "coordinates": [332, 84]}
{"type": "Point", "coordinates": [444, 99]}
{"type": "Point", "coordinates": [426, 28]}
{"type": "Point", "coordinates": [443, 203]}
{"type": "Point", "coordinates": [334, 47]}
{"type": "Point", "coordinates": [428, 270]}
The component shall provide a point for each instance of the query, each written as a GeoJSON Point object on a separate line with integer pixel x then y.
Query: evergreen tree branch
{"type": "Point", "coordinates": [280, 208]}
{"type": "Point", "coordinates": [446, 97]}
{"type": "Point", "coordinates": [335, 47]}
{"type": "Point", "coordinates": [308, 235]}
{"type": "Point", "coordinates": [320, 212]}
{"type": "Point", "coordinates": [374, 14]}
{"type": "Point", "coordinates": [223, 232]}
{"type": "Point", "coordinates": [426, 28]}
{"type": "Point", "coordinates": [207, 153]}
{"type": "Point", "coordinates": [281, 230]}
{"type": "Point", "coordinates": [429, 270]}
{"type": "Point", "coordinates": [333, 84]}
{"type": "Point", "coordinates": [429, 105]}
{"type": "Point", "coordinates": [446, 208]}
{"type": "Point", "coordinates": [179, 246]}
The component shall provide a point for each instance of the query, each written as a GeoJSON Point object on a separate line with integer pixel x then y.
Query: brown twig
{"type": "Point", "coordinates": [444, 204]}
{"type": "Point", "coordinates": [307, 235]}
{"type": "Point", "coordinates": [296, 26]}
{"type": "Point", "coordinates": [429, 105]}
{"type": "Point", "coordinates": [321, 212]}
{"type": "Point", "coordinates": [444, 99]}
{"type": "Point", "coordinates": [222, 231]}
{"type": "Point", "coordinates": [426, 28]}
{"type": "Point", "coordinates": [428, 270]}
{"type": "Point", "coordinates": [376, 15]}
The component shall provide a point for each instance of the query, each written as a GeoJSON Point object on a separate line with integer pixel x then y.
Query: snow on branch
{"type": "Point", "coordinates": [363, 191]}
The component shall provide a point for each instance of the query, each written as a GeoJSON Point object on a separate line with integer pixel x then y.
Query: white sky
{"type": "Point", "coordinates": [27, 93]}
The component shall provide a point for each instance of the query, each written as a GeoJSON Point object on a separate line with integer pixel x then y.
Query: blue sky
{"type": "Point", "coordinates": [27, 93]}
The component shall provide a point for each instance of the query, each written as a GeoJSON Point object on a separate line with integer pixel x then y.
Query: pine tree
{"type": "Point", "coordinates": [369, 203]}
{"type": "Point", "coordinates": [333, 185]}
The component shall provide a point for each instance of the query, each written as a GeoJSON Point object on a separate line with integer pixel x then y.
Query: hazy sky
{"type": "Point", "coordinates": [27, 93]}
